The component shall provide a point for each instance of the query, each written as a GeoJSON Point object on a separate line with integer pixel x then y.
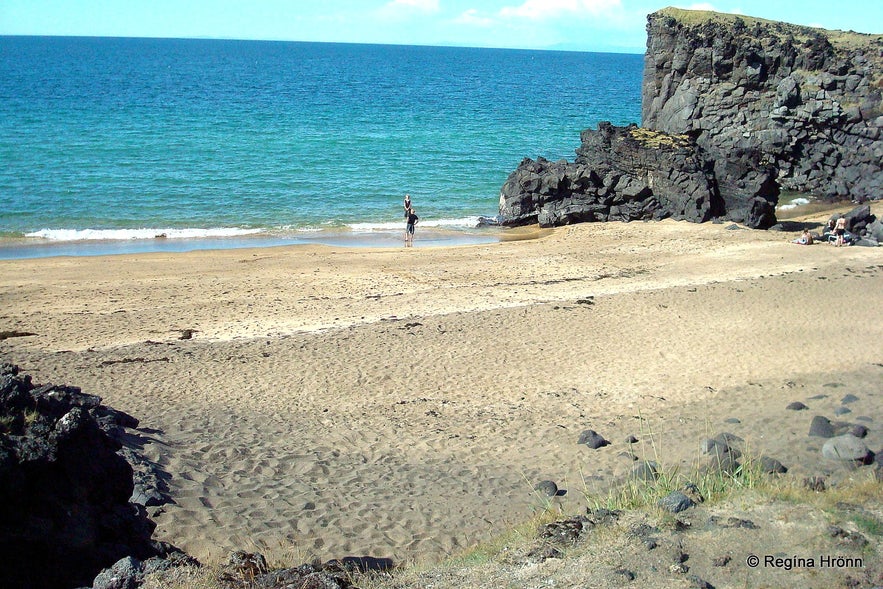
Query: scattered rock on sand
{"type": "Point", "coordinates": [592, 439]}
{"type": "Point", "coordinates": [546, 488]}
{"type": "Point", "coordinates": [822, 427]}
{"type": "Point", "coordinates": [676, 502]}
{"type": "Point", "coordinates": [847, 448]}
{"type": "Point", "coordinates": [796, 406]}
{"type": "Point", "coordinates": [859, 431]}
{"type": "Point", "coordinates": [772, 466]}
{"type": "Point", "coordinates": [645, 471]}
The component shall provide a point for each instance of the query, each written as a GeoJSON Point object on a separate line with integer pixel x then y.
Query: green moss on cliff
{"type": "Point", "coordinates": [843, 39]}
{"type": "Point", "coordinates": [657, 139]}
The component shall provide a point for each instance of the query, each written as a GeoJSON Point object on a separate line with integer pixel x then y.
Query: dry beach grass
{"type": "Point", "coordinates": [402, 402]}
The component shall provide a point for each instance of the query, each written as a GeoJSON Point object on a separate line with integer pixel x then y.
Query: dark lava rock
{"type": "Point", "coordinates": [796, 406]}
{"type": "Point", "coordinates": [676, 502]}
{"type": "Point", "coordinates": [858, 431]}
{"type": "Point", "coordinates": [821, 427]}
{"type": "Point", "coordinates": [592, 439]}
{"type": "Point", "coordinates": [732, 115]}
{"type": "Point", "coordinates": [647, 471]}
{"type": "Point", "coordinates": [566, 532]}
{"type": "Point", "coordinates": [546, 488]}
{"type": "Point", "coordinates": [64, 488]}
{"type": "Point", "coordinates": [772, 466]}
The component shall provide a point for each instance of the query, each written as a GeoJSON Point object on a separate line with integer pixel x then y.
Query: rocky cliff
{"type": "Point", "coordinates": [808, 101]}
{"type": "Point", "coordinates": [735, 109]}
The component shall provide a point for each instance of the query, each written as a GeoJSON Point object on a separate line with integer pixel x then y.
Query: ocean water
{"type": "Point", "coordinates": [111, 144]}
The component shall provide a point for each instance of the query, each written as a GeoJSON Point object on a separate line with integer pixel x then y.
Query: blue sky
{"type": "Point", "coordinates": [592, 25]}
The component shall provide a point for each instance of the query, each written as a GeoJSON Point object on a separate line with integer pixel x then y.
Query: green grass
{"type": "Point", "coordinates": [843, 40]}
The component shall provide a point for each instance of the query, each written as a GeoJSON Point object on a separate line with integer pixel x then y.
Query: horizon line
{"type": "Point", "coordinates": [560, 48]}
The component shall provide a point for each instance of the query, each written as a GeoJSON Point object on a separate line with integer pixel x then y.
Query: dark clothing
{"type": "Point", "coordinates": [412, 220]}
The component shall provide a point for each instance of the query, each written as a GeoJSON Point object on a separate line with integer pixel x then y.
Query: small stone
{"type": "Point", "coordinates": [772, 466]}
{"type": "Point", "coordinates": [847, 448]}
{"type": "Point", "coordinates": [675, 502]}
{"type": "Point", "coordinates": [592, 439]}
{"type": "Point", "coordinates": [546, 488]}
{"type": "Point", "coordinates": [858, 431]}
{"type": "Point", "coordinates": [122, 575]}
{"type": "Point", "coordinates": [631, 440]}
{"type": "Point", "coordinates": [625, 574]}
{"type": "Point", "coordinates": [847, 399]}
{"type": "Point", "coordinates": [821, 427]}
{"type": "Point", "coordinates": [647, 471]}
{"type": "Point", "coordinates": [796, 406]}
{"type": "Point", "coordinates": [842, 411]}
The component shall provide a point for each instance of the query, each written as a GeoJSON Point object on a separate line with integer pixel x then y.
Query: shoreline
{"type": "Point", "coordinates": [30, 247]}
{"type": "Point", "coordinates": [378, 236]}
{"type": "Point", "coordinates": [335, 401]}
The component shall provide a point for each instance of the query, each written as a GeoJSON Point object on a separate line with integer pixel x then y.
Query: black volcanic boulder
{"type": "Point", "coordinates": [634, 174]}
{"type": "Point", "coordinates": [64, 490]}
{"type": "Point", "coordinates": [620, 174]}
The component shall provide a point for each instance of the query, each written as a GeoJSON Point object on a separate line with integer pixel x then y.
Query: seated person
{"type": "Point", "coordinates": [805, 239]}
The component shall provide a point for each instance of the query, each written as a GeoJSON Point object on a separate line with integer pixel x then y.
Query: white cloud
{"type": "Point", "coordinates": [472, 17]}
{"type": "Point", "coordinates": [547, 9]}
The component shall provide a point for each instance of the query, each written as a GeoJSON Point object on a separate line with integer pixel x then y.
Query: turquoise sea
{"type": "Point", "coordinates": [114, 145]}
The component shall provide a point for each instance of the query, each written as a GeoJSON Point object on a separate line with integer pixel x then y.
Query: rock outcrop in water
{"type": "Point", "coordinates": [734, 110]}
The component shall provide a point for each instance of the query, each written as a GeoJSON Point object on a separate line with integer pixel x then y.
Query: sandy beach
{"type": "Point", "coordinates": [402, 402]}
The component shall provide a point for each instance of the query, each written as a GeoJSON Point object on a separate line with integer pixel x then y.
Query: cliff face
{"type": "Point", "coordinates": [806, 101]}
{"type": "Point", "coordinates": [735, 109]}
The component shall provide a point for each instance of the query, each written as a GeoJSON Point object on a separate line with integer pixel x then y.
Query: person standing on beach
{"type": "Point", "coordinates": [407, 206]}
{"type": "Point", "coordinates": [409, 229]}
{"type": "Point", "coordinates": [840, 230]}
